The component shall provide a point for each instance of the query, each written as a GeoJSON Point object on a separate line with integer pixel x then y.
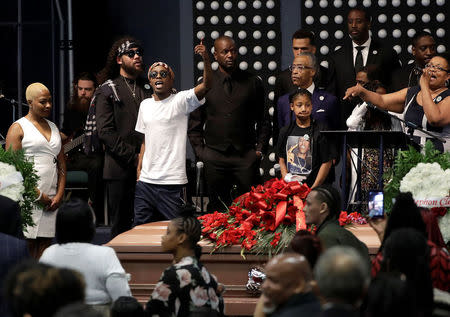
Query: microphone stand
{"type": "Point", "coordinates": [13, 104]}
{"type": "Point", "coordinates": [411, 126]}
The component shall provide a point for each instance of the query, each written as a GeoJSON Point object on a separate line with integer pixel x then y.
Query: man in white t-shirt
{"type": "Point", "coordinates": [163, 120]}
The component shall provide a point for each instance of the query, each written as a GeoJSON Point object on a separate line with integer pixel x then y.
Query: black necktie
{"type": "Point", "coordinates": [359, 59]}
{"type": "Point", "coordinates": [227, 86]}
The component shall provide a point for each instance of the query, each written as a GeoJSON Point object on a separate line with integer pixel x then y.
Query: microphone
{"type": "Point", "coordinates": [199, 187]}
{"type": "Point", "coordinates": [417, 70]}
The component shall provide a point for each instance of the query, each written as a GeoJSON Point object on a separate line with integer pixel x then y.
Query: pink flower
{"type": "Point", "coordinates": [213, 298]}
{"type": "Point", "coordinates": [161, 292]}
{"type": "Point", "coordinates": [184, 276]}
{"type": "Point", "coordinates": [199, 296]}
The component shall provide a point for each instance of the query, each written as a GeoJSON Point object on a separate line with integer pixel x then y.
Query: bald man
{"type": "Point", "coordinates": [287, 289]}
{"type": "Point", "coordinates": [222, 132]}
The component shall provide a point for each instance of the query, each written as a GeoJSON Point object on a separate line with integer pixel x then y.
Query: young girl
{"type": "Point", "coordinates": [304, 154]}
{"type": "Point", "coordinates": [186, 287]}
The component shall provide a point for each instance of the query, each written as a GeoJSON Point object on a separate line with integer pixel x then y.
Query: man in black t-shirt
{"type": "Point", "coordinates": [304, 154]}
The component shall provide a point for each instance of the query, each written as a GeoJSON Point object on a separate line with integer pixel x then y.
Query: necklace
{"type": "Point", "coordinates": [133, 91]}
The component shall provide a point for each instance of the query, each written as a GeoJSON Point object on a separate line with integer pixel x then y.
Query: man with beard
{"type": "Point", "coordinates": [117, 106]}
{"type": "Point", "coordinates": [74, 121]}
{"type": "Point", "coordinates": [222, 132]}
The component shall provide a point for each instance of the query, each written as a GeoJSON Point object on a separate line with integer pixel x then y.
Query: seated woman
{"type": "Point", "coordinates": [304, 154]}
{"type": "Point", "coordinates": [105, 277]}
{"type": "Point", "coordinates": [405, 214]}
{"type": "Point", "coordinates": [185, 288]}
{"type": "Point", "coordinates": [426, 105]}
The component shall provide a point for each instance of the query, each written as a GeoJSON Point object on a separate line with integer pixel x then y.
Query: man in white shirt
{"type": "Point", "coordinates": [163, 120]}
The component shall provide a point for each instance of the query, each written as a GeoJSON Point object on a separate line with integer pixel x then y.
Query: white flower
{"type": "Point", "coordinates": [184, 276]}
{"type": "Point", "coordinates": [11, 182]}
{"type": "Point", "coordinates": [444, 225]}
{"type": "Point", "coordinates": [205, 275]}
{"type": "Point", "coordinates": [426, 180]}
{"type": "Point", "coordinates": [187, 260]}
{"type": "Point", "coordinates": [199, 296]}
{"type": "Point", "coordinates": [161, 292]}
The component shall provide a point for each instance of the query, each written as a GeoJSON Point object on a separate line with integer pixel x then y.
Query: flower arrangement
{"type": "Point", "coordinates": [265, 219]}
{"type": "Point", "coordinates": [407, 160]}
{"type": "Point", "coordinates": [19, 182]}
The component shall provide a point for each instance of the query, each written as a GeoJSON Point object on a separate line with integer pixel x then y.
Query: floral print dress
{"type": "Point", "coordinates": [182, 288]}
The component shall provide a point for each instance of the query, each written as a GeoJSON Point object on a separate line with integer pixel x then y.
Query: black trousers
{"type": "Point", "coordinates": [121, 203]}
{"type": "Point", "coordinates": [229, 175]}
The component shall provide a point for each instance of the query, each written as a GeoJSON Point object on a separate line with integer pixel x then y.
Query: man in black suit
{"type": "Point", "coordinates": [357, 52]}
{"type": "Point", "coordinates": [222, 132]}
{"type": "Point", "coordinates": [423, 49]}
{"type": "Point", "coordinates": [302, 42]}
{"type": "Point", "coordinates": [117, 106]}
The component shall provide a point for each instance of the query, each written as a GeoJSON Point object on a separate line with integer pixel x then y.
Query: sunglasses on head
{"type": "Point", "coordinates": [162, 73]}
{"type": "Point", "coordinates": [131, 53]}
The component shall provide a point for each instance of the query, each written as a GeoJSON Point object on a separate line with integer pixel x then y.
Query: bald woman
{"type": "Point", "coordinates": [41, 142]}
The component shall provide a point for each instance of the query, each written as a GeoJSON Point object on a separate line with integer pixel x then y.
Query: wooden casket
{"type": "Point", "coordinates": [140, 253]}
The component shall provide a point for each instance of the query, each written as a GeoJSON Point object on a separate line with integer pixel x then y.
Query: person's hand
{"type": "Point", "coordinates": [54, 203]}
{"type": "Point", "coordinates": [201, 50]}
{"type": "Point", "coordinates": [379, 226]}
{"type": "Point", "coordinates": [354, 91]}
{"type": "Point", "coordinates": [45, 200]}
{"type": "Point", "coordinates": [424, 81]}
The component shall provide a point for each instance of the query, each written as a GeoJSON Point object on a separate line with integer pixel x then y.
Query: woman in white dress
{"type": "Point", "coordinates": [41, 142]}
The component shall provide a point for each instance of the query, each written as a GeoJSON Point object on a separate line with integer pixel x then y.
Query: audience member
{"type": "Point", "coordinates": [186, 288]}
{"type": "Point", "coordinates": [325, 105]}
{"type": "Point", "coordinates": [406, 252]}
{"type": "Point", "coordinates": [304, 154]}
{"type": "Point", "coordinates": [423, 49]}
{"type": "Point", "coordinates": [308, 245]}
{"type": "Point", "coordinates": [41, 142]}
{"type": "Point", "coordinates": [78, 310]}
{"type": "Point", "coordinates": [343, 278]}
{"type": "Point", "coordinates": [359, 51]}
{"type": "Point", "coordinates": [222, 132]}
{"type": "Point", "coordinates": [117, 105]}
{"type": "Point", "coordinates": [13, 248]}
{"type": "Point", "coordinates": [39, 290]}
{"type": "Point", "coordinates": [104, 275]}
{"type": "Point", "coordinates": [322, 210]}
{"type": "Point", "coordinates": [406, 214]}
{"type": "Point", "coordinates": [287, 289]}
{"type": "Point", "coordinates": [427, 105]}
{"type": "Point", "coordinates": [127, 306]}
{"type": "Point", "coordinates": [75, 115]}
{"type": "Point", "coordinates": [389, 295]}
{"type": "Point", "coordinates": [163, 119]}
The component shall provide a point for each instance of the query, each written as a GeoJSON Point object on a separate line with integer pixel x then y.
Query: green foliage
{"type": "Point", "coordinates": [406, 160]}
{"type": "Point", "coordinates": [30, 179]}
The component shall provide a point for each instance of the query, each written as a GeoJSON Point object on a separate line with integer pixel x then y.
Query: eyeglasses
{"type": "Point", "coordinates": [299, 67]}
{"type": "Point", "coordinates": [163, 74]}
{"type": "Point", "coordinates": [131, 53]}
{"type": "Point", "coordinates": [435, 67]}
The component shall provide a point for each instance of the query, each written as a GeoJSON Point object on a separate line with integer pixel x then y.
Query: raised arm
{"type": "Point", "coordinates": [437, 114]}
{"type": "Point", "coordinates": [392, 102]}
{"type": "Point", "coordinates": [201, 89]}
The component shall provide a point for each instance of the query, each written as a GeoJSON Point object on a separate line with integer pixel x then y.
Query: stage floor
{"type": "Point", "coordinates": [140, 253]}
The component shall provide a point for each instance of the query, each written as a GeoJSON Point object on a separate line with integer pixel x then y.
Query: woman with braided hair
{"type": "Point", "coordinates": [186, 288]}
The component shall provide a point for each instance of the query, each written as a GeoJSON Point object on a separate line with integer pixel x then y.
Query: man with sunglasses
{"type": "Point", "coordinates": [325, 105]}
{"type": "Point", "coordinates": [223, 132]}
{"type": "Point", "coordinates": [163, 120]}
{"type": "Point", "coordinates": [117, 104]}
